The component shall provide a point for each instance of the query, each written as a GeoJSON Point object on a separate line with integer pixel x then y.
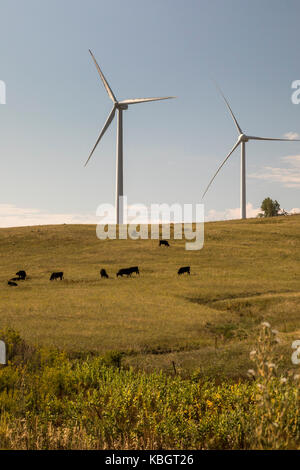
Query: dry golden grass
{"type": "Point", "coordinates": [248, 271]}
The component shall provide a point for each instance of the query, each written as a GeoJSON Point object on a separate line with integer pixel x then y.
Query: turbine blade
{"type": "Point", "coordinates": [250, 137]}
{"type": "Point", "coordinates": [144, 100]}
{"type": "Point", "coordinates": [230, 110]}
{"type": "Point", "coordinates": [106, 126]}
{"type": "Point", "coordinates": [231, 151]}
{"type": "Point", "coordinates": [105, 83]}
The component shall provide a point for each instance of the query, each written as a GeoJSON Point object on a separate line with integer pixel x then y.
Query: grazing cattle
{"type": "Point", "coordinates": [59, 275]}
{"type": "Point", "coordinates": [103, 273]}
{"type": "Point", "coordinates": [15, 279]}
{"type": "Point", "coordinates": [184, 269]}
{"type": "Point", "coordinates": [134, 269]}
{"type": "Point", "coordinates": [12, 283]}
{"type": "Point", "coordinates": [124, 271]}
{"type": "Point", "coordinates": [128, 271]}
{"type": "Point", "coordinates": [163, 242]}
{"type": "Point", "coordinates": [22, 275]}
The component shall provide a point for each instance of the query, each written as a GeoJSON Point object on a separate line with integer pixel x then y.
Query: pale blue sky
{"type": "Point", "coordinates": [57, 105]}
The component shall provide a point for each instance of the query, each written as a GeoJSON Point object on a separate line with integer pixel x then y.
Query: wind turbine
{"type": "Point", "coordinates": [119, 106]}
{"type": "Point", "coordinates": [242, 139]}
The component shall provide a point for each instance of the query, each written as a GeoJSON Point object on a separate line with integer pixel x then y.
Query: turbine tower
{"type": "Point", "coordinates": [242, 139]}
{"type": "Point", "coordinates": [119, 106]}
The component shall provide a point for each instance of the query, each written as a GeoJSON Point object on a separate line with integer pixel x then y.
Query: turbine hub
{"type": "Point", "coordinates": [243, 138]}
{"type": "Point", "coordinates": [122, 106]}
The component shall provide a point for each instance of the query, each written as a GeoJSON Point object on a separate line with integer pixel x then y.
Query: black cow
{"type": "Point", "coordinates": [124, 271]}
{"type": "Point", "coordinates": [184, 269]}
{"type": "Point", "coordinates": [22, 275]}
{"type": "Point", "coordinates": [135, 269]}
{"type": "Point", "coordinates": [59, 275]}
{"type": "Point", "coordinates": [103, 273]}
{"type": "Point", "coordinates": [15, 279]}
{"type": "Point", "coordinates": [11, 283]}
{"type": "Point", "coordinates": [163, 242]}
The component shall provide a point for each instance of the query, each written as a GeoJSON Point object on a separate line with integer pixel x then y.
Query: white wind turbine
{"type": "Point", "coordinates": [242, 139]}
{"type": "Point", "coordinates": [119, 106]}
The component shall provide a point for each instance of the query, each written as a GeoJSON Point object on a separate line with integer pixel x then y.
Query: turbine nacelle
{"type": "Point", "coordinates": [121, 106]}
{"type": "Point", "coordinates": [243, 138]}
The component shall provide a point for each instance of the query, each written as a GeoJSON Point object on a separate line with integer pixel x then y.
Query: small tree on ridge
{"type": "Point", "coordinates": [269, 207]}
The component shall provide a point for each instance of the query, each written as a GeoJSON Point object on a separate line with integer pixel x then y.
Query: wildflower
{"type": "Point", "coordinates": [297, 377]}
{"type": "Point", "coordinates": [271, 365]}
{"type": "Point", "coordinates": [266, 324]}
{"type": "Point", "coordinates": [209, 403]}
{"type": "Point", "coordinates": [251, 373]}
{"type": "Point", "coordinates": [283, 380]}
{"type": "Point", "coordinates": [275, 332]}
{"type": "Point", "coordinates": [252, 354]}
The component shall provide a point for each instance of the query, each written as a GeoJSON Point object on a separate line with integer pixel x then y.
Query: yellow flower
{"type": "Point", "coordinates": [209, 403]}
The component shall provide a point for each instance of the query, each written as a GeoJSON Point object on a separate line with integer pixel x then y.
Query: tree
{"type": "Point", "coordinates": [269, 207]}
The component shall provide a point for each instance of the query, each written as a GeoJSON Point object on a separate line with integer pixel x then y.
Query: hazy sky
{"type": "Point", "coordinates": [57, 105]}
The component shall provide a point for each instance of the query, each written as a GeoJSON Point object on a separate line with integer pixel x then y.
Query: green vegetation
{"type": "Point", "coordinates": [49, 401]}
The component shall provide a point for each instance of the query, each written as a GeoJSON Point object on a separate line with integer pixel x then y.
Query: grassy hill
{"type": "Point", "coordinates": [247, 272]}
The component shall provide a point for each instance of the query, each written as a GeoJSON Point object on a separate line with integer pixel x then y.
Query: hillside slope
{"type": "Point", "coordinates": [248, 271]}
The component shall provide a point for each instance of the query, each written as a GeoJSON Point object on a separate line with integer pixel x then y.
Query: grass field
{"type": "Point", "coordinates": [247, 272]}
